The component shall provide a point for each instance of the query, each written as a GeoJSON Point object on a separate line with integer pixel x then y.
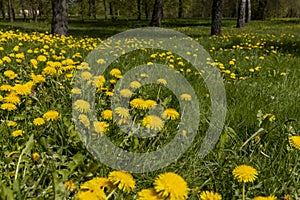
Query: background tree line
{"type": "Point", "coordinates": [142, 9]}
{"type": "Point", "coordinates": [60, 10]}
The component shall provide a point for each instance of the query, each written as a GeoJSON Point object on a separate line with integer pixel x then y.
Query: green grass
{"type": "Point", "coordinates": [64, 157]}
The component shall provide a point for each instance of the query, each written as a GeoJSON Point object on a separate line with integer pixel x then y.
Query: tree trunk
{"type": "Point", "coordinates": [92, 9]}
{"type": "Point", "coordinates": [2, 9]}
{"type": "Point", "coordinates": [146, 11]}
{"type": "Point", "coordinates": [139, 14]}
{"type": "Point", "coordinates": [241, 14]}
{"type": "Point", "coordinates": [10, 13]}
{"type": "Point", "coordinates": [216, 26]}
{"type": "Point", "coordinates": [157, 13]}
{"type": "Point", "coordinates": [262, 4]}
{"type": "Point", "coordinates": [23, 11]}
{"type": "Point", "coordinates": [248, 11]}
{"type": "Point", "coordinates": [112, 11]}
{"type": "Point", "coordinates": [59, 17]}
{"type": "Point", "coordinates": [180, 9]}
{"type": "Point", "coordinates": [82, 8]}
{"type": "Point", "coordinates": [34, 14]}
{"type": "Point", "coordinates": [105, 9]}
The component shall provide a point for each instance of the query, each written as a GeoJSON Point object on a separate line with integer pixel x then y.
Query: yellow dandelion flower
{"type": "Point", "coordinates": [287, 197]}
{"type": "Point", "coordinates": [261, 58]}
{"type": "Point", "coordinates": [138, 103]}
{"type": "Point", "coordinates": [84, 120]}
{"type": "Point", "coordinates": [233, 75]}
{"type": "Point", "coordinates": [113, 81]}
{"type": "Point", "coordinates": [122, 112]}
{"type": "Point", "coordinates": [8, 106]}
{"type": "Point", "coordinates": [17, 133]}
{"type": "Point", "coordinates": [172, 186]}
{"type": "Point", "coordinates": [10, 74]}
{"type": "Point", "coordinates": [101, 61]}
{"type": "Point", "coordinates": [41, 58]}
{"type": "Point", "coordinates": [14, 99]}
{"type": "Point", "coordinates": [1, 98]}
{"type": "Point", "coordinates": [12, 124]}
{"type": "Point", "coordinates": [49, 70]}
{"type": "Point", "coordinates": [282, 74]}
{"type": "Point", "coordinates": [34, 63]}
{"type": "Point", "coordinates": [6, 59]}
{"type": "Point", "coordinates": [135, 84]}
{"type": "Point", "coordinates": [76, 91]}
{"type": "Point", "coordinates": [98, 182]}
{"type": "Point", "coordinates": [107, 114]}
{"type": "Point", "coordinates": [251, 70]}
{"type": "Point", "coordinates": [35, 156]}
{"type": "Point", "coordinates": [272, 118]}
{"type": "Point", "coordinates": [82, 106]}
{"type": "Point", "coordinates": [257, 68]}
{"type": "Point", "coordinates": [70, 185]}
{"type": "Point", "coordinates": [153, 122]}
{"type": "Point", "coordinates": [91, 194]}
{"type": "Point", "coordinates": [295, 141]}
{"type": "Point", "coordinates": [180, 63]}
{"type": "Point", "coordinates": [51, 115]}
{"type": "Point", "coordinates": [150, 103]}
{"type": "Point", "coordinates": [86, 75]}
{"type": "Point", "coordinates": [116, 73]}
{"type": "Point", "coordinates": [207, 195]}
{"type": "Point", "coordinates": [153, 55]}
{"type": "Point", "coordinates": [37, 78]}
{"type": "Point", "coordinates": [101, 127]}
{"type": "Point", "coordinates": [6, 87]}
{"type": "Point", "coordinates": [272, 197]}
{"type": "Point", "coordinates": [162, 81]}
{"type": "Point", "coordinates": [149, 194]}
{"type": "Point", "coordinates": [126, 93]}
{"type": "Point", "coordinates": [84, 65]}
{"type": "Point", "coordinates": [99, 81]}
{"type": "Point", "coordinates": [38, 121]}
{"type": "Point", "coordinates": [245, 173]}
{"type": "Point", "coordinates": [22, 89]}
{"type": "Point", "coordinates": [123, 180]}
{"type": "Point", "coordinates": [171, 114]}
{"type": "Point", "coordinates": [108, 93]}
{"type": "Point", "coordinates": [231, 62]}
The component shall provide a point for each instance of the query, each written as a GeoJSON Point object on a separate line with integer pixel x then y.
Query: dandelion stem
{"type": "Point", "coordinates": [243, 197]}
{"type": "Point", "coordinates": [111, 193]}
{"type": "Point", "coordinates": [158, 93]}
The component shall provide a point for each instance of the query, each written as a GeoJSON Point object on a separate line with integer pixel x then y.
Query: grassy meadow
{"type": "Point", "coordinates": [43, 157]}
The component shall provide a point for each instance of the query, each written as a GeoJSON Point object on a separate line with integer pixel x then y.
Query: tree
{"type": "Point", "coordinates": [112, 11]}
{"type": "Point", "coordinates": [216, 26]}
{"type": "Point", "coordinates": [34, 9]}
{"type": "Point", "coordinates": [157, 13]}
{"type": "Point", "coordinates": [92, 9]}
{"type": "Point", "coordinates": [180, 9]}
{"type": "Point", "coordinates": [262, 5]}
{"type": "Point", "coordinates": [2, 9]}
{"type": "Point", "coordinates": [146, 10]}
{"type": "Point", "coordinates": [139, 14]}
{"type": "Point", "coordinates": [241, 14]}
{"type": "Point", "coordinates": [59, 17]}
{"type": "Point", "coordinates": [248, 11]}
{"type": "Point", "coordinates": [10, 11]}
{"type": "Point", "coordinates": [105, 9]}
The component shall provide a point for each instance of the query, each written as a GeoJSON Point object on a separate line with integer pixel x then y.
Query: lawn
{"type": "Point", "coordinates": [46, 120]}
